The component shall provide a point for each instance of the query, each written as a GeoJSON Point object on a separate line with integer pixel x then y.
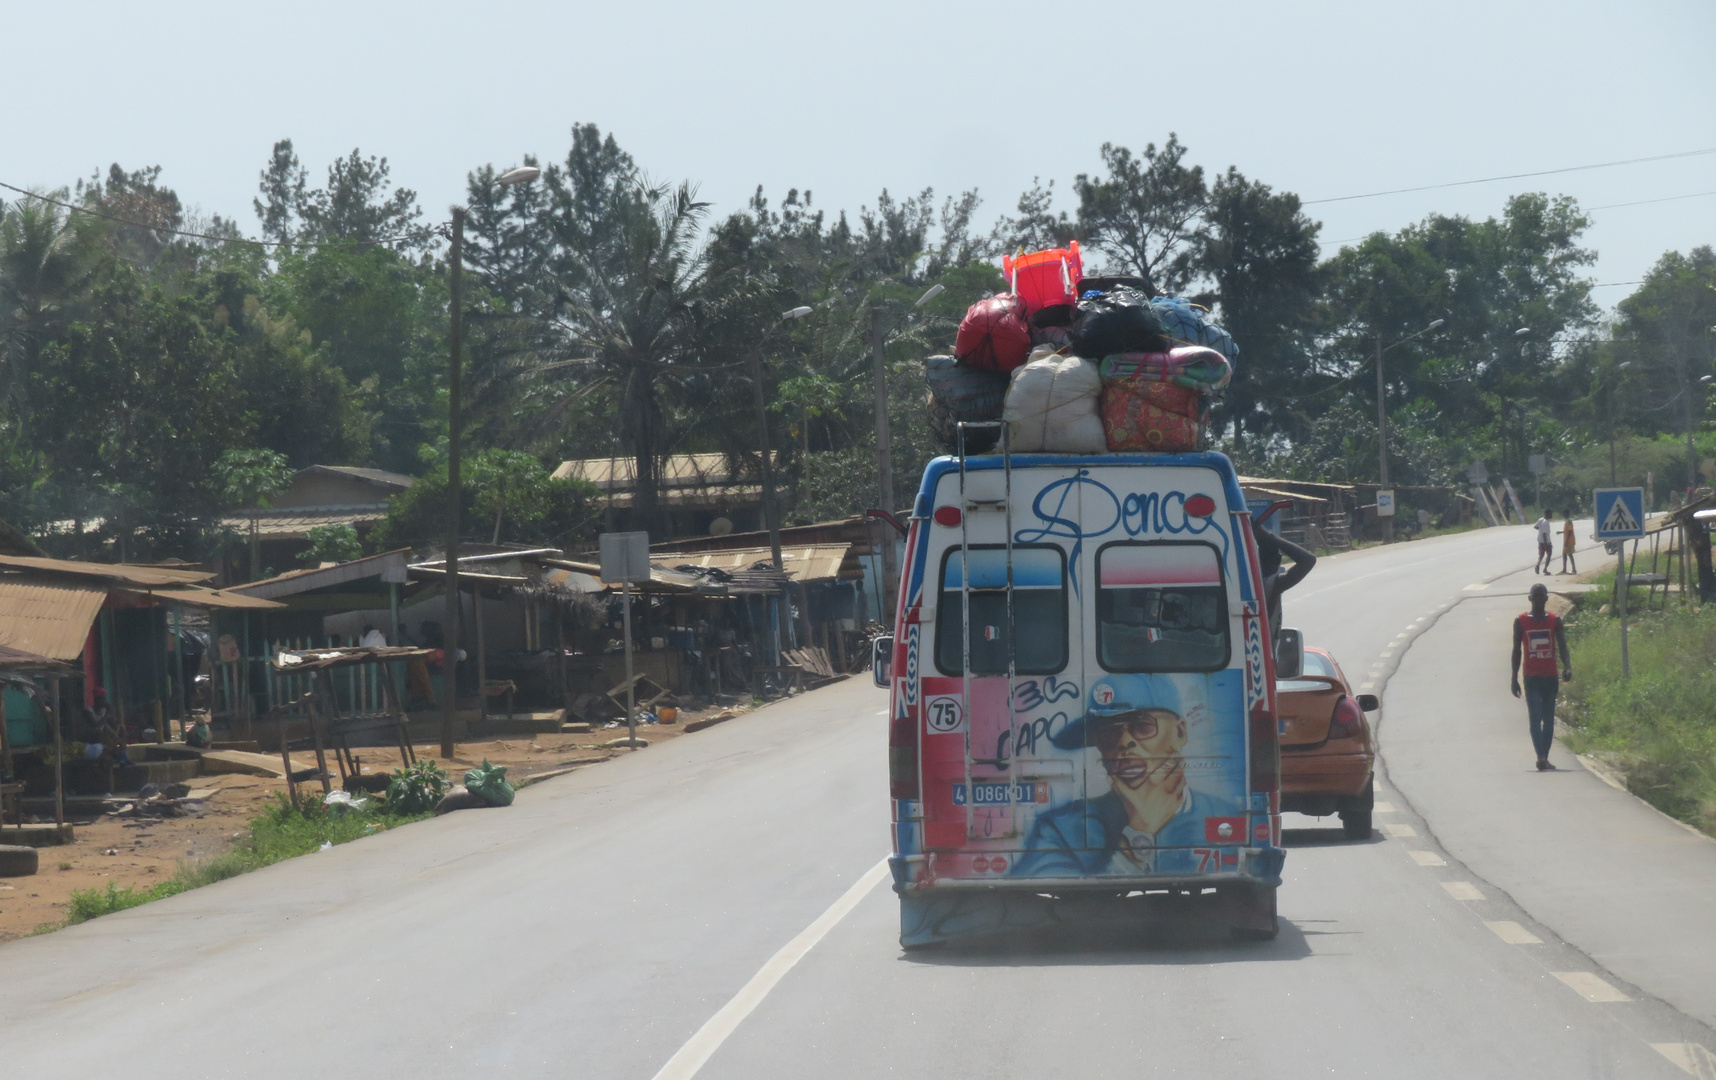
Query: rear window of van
{"type": "Point", "coordinates": [1039, 610]}
{"type": "Point", "coordinates": [1161, 606]}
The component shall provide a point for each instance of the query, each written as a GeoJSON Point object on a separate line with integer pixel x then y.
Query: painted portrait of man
{"type": "Point", "coordinates": [1150, 804]}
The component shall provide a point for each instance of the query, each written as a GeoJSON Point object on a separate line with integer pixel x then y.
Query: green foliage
{"type": "Point", "coordinates": [1657, 725]}
{"type": "Point", "coordinates": [417, 788]}
{"type": "Point", "coordinates": [278, 833]}
{"type": "Point", "coordinates": [87, 904]}
{"type": "Point", "coordinates": [152, 381]}
{"type": "Point", "coordinates": [251, 477]}
{"type": "Point", "coordinates": [504, 494]}
{"type": "Point", "coordinates": [331, 543]}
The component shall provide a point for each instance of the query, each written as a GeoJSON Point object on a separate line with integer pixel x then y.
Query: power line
{"type": "Point", "coordinates": [1643, 202]}
{"type": "Point", "coordinates": [1513, 176]}
{"type": "Point", "coordinates": [414, 234]}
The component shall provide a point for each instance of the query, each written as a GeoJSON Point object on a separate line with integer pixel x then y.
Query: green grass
{"type": "Point", "coordinates": [1659, 726]}
{"type": "Point", "coordinates": [276, 834]}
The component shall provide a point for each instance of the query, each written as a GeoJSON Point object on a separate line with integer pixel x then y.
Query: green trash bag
{"type": "Point", "coordinates": [489, 781]}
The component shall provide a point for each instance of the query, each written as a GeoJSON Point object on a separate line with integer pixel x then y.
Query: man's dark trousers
{"type": "Point", "coordinates": [1540, 691]}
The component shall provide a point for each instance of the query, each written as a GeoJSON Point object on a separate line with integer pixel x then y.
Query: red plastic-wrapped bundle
{"type": "Point", "coordinates": [994, 334]}
{"type": "Point", "coordinates": [1145, 414]}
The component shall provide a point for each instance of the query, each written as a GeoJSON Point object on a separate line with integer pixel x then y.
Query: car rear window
{"type": "Point", "coordinates": [1039, 610]}
{"type": "Point", "coordinates": [1161, 607]}
{"type": "Point", "coordinates": [1315, 664]}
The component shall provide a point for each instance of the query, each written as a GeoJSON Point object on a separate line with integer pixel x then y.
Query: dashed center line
{"type": "Point", "coordinates": [1380, 807]}
{"type": "Point", "coordinates": [1426, 858]}
{"type": "Point", "coordinates": [1399, 832]}
{"type": "Point", "coordinates": [1462, 890]}
{"type": "Point", "coordinates": [1513, 933]}
{"type": "Point", "coordinates": [1590, 987]}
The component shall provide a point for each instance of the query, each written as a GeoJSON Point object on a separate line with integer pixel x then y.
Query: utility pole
{"type": "Point", "coordinates": [1382, 440]}
{"type": "Point", "coordinates": [450, 582]}
{"type": "Point", "coordinates": [771, 520]}
{"type": "Point", "coordinates": [884, 455]}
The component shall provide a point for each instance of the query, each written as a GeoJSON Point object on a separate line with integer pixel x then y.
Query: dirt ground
{"type": "Point", "coordinates": [132, 852]}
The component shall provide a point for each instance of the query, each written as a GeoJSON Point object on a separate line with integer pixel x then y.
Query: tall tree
{"type": "Point", "coordinates": [1144, 213]}
{"type": "Point", "coordinates": [1260, 252]}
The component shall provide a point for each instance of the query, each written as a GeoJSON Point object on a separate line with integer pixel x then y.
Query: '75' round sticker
{"type": "Point", "coordinates": [944, 713]}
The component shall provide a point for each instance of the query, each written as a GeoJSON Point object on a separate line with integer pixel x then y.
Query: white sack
{"type": "Point", "coordinates": [1051, 405]}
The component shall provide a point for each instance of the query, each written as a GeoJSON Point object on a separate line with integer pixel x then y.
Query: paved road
{"type": "Point", "coordinates": [596, 926]}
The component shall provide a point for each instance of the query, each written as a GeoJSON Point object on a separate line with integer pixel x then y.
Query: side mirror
{"type": "Point", "coordinates": [1289, 653]}
{"type": "Point", "coordinates": [1368, 702]}
{"type": "Point", "coordinates": [882, 660]}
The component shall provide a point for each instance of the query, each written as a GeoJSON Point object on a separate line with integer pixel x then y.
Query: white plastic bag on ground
{"type": "Point", "coordinates": [1051, 405]}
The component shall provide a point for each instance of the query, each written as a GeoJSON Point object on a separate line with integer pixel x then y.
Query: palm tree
{"type": "Point", "coordinates": [45, 266]}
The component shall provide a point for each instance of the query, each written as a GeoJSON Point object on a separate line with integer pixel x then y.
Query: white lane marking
{"type": "Point", "coordinates": [1427, 858]}
{"type": "Point", "coordinates": [1589, 987]}
{"type": "Point", "coordinates": [1400, 832]}
{"type": "Point", "coordinates": [1387, 653]}
{"type": "Point", "coordinates": [1380, 807]}
{"type": "Point", "coordinates": [701, 1046]}
{"type": "Point", "coordinates": [1477, 587]}
{"type": "Point", "coordinates": [1462, 890]}
{"type": "Point", "coordinates": [1691, 1057]}
{"type": "Point", "coordinates": [884, 712]}
{"type": "Point", "coordinates": [1367, 686]}
{"type": "Point", "coordinates": [1513, 933]}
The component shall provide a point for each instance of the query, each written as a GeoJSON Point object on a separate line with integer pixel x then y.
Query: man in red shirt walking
{"type": "Point", "coordinates": [1538, 636]}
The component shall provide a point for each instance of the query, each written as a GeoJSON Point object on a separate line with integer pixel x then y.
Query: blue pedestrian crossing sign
{"type": "Point", "coordinates": [1620, 513]}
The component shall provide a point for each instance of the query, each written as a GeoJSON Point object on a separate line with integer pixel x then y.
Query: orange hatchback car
{"type": "Point", "coordinates": [1327, 752]}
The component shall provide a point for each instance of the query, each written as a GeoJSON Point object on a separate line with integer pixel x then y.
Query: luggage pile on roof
{"type": "Point", "coordinates": [1078, 365]}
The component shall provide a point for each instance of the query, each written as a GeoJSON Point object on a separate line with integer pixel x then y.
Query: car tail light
{"type": "Point", "coordinates": [1265, 751]}
{"type": "Point", "coordinates": [903, 758]}
{"type": "Point", "coordinates": [1348, 721]}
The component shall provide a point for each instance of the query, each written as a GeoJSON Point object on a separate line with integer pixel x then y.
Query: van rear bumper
{"type": "Point", "coordinates": [1259, 866]}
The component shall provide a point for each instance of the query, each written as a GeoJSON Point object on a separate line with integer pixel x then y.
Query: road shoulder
{"type": "Point", "coordinates": [1608, 873]}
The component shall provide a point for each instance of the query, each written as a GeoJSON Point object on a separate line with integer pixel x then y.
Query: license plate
{"type": "Point", "coordinates": [995, 794]}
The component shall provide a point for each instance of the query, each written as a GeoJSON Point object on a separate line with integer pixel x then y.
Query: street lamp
{"type": "Point", "coordinates": [450, 583]}
{"type": "Point", "coordinates": [771, 516]}
{"type": "Point", "coordinates": [1382, 418]}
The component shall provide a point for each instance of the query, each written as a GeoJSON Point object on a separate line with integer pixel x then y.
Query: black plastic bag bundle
{"type": "Point", "coordinates": [1117, 321]}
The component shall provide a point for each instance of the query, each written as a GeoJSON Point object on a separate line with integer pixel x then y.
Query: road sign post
{"type": "Point", "coordinates": [1620, 517]}
{"type": "Point", "coordinates": [625, 558]}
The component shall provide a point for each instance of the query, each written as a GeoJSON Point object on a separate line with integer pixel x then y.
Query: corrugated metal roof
{"type": "Point", "coordinates": [48, 620]}
{"type": "Point", "coordinates": [145, 577]}
{"type": "Point", "coordinates": [677, 471]}
{"type": "Point", "coordinates": [389, 566]}
{"type": "Point", "coordinates": [294, 523]}
{"type": "Point", "coordinates": [376, 476]}
{"type": "Point", "coordinates": [810, 562]}
{"type": "Point", "coordinates": [196, 596]}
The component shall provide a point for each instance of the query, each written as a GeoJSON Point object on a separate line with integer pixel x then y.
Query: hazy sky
{"type": "Point", "coordinates": [1325, 98]}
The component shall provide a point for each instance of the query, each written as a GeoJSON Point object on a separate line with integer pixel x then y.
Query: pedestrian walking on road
{"type": "Point", "coordinates": [1538, 636]}
{"type": "Point", "coordinates": [1569, 565]}
{"type": "Point", "coordinates": [1545, 549]}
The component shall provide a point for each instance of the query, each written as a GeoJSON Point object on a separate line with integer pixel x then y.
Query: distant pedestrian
{"type": "Point", "coordinates": [1538, 636]}
{"type": "Point", "coordinates": [1569, 565]}
{"type": "Point", "coordinates": [1545, 549]}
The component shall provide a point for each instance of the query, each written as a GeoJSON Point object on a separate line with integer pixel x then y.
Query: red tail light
{"type": "Point", "coordinates": [1265, 751]}
{"type": "Point", "coordinates": [903, 758]}
{"type": "Point", "coordinates": [1348, 721]}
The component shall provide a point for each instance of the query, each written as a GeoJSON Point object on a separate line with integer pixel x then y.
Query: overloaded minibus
{"type": "Point", "coordinates": [1082, 697]}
